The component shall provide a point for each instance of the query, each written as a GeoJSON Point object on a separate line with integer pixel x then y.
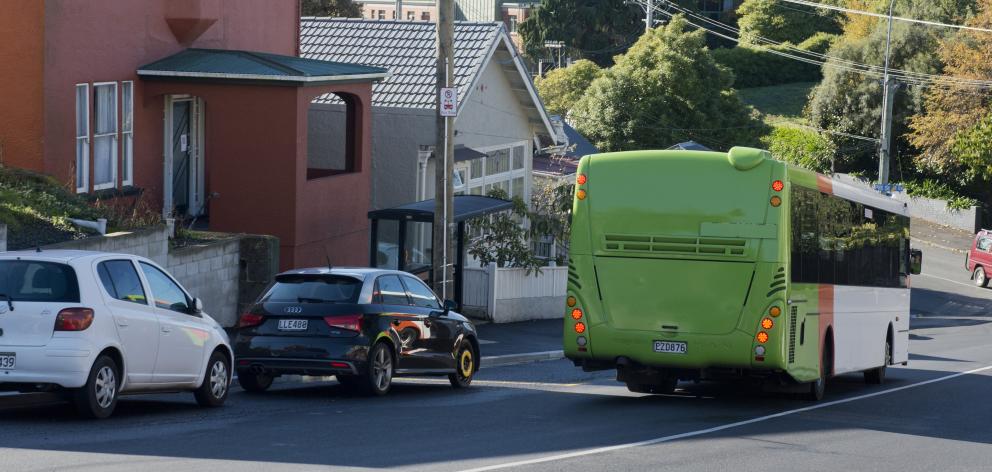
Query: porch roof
{"type": "Point", "coordinates": [256, 67]}
{"type": "Point", "coordinates": [466, 208]}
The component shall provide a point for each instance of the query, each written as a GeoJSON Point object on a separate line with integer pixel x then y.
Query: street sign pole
{"type": "Point", "coordinates": [441, 253]}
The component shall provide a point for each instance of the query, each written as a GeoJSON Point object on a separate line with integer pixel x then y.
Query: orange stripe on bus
{"type": "Point", "coordinates": [826, 307]}
{"type": "Point", "coordinates": [824, 184]}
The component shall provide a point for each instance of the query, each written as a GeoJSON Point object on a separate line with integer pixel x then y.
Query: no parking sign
{"type": "Point", "coordinates": [449, 101]}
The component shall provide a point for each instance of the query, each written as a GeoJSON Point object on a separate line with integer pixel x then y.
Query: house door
{"type": "Point", "coordinates": [184, 157]}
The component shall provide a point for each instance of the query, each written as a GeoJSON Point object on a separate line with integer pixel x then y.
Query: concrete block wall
{"type": "Point", "coordinates": [225, 274]}
{"type": "Point", "coordinates": [3, 237]}
{"type": "Point", "coordinates": [929, 209]}
{"type": "Point", "coordinates": [210, 272]}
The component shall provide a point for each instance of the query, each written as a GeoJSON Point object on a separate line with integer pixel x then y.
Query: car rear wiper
{"type": "Point", "coordinates": [10, 302]}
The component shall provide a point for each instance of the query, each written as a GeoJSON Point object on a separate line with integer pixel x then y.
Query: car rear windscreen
{"type": "Point", "coordinates": [314, 289]}
{"type": "Point", "coordinates": [37, 281]}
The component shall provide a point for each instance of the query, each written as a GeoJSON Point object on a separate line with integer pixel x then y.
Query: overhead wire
{"type": "Point", "coordinates": [880, 15]}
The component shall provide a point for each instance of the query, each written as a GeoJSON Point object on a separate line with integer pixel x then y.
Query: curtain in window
{"type": "Point", "coordinates": [105, 136]}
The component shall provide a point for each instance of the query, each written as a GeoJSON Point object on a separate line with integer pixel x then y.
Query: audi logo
{"type": "Point", "coordinates": [293, 309]}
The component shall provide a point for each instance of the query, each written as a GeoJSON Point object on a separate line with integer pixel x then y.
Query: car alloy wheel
{"type": "Point", "coordinates": [465, 366]}
{"type": "Point", "coordinates": [382, 369]}
{"type": "Point", "coordinates": [218, 379]}
{"type": "Point", "coordinates": [105, 387]}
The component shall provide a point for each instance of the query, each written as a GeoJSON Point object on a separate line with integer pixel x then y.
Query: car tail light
{"type": "Point", "coordinates": [74, 319]}
{"type": "Point", "coordinates": [349, 322]}
{"type": "Point", "coordinates": [248, 320]}
{"type": "Point", "coordinates": [340, 365]}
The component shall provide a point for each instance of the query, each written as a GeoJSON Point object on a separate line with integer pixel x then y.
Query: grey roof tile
{"type": "Point", "coordinates": [406, 48]}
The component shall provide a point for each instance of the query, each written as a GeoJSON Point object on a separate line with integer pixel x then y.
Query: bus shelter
{"type": "Point", "coordinates": [402, 237]}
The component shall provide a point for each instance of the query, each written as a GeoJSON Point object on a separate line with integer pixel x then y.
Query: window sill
{"type": "Point", "coordinates": [109, 193]}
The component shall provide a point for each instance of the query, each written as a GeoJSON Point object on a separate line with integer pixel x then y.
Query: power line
{"type": "Point", "coordinates": [879, 15]}
{"type": "Point", "coordinates": [910, 77]}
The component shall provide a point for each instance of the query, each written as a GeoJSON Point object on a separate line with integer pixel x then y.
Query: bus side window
{"type": "Point", "coordinates": [802, 332]}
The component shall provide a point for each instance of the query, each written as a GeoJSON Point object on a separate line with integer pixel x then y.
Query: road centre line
{"type": "Point", "coordinates": [951, 281]}
{"type": "Point", "coordinates": [650, 442]}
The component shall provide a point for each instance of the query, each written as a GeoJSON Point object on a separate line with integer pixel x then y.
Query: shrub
{"type": "Point", "coordinates": [759, 66]}
{"type": "Point", "coordinates": [802, 147]}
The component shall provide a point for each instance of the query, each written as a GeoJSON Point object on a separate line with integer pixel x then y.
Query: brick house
{"type": "Point", "coordinates": [198, 107]}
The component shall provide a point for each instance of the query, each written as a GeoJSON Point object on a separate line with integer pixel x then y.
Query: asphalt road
{"type": "Point", "coordinates": [934, 414]}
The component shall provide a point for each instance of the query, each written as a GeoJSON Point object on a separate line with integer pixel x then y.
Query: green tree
{"type": "Point", "coordinates": [851, 102]}
{"type": "Point", "coordinates": [551, 213]}
{"type": "Point", "coordinates": [504, 240]}
{"type": "Point", "coordinates": [333, 8]}
{"type": "Point", "coordinates": [666, 89]}
{"type": "Point", "coordinates": [778, 21]}
{"type": "Point", "coordinates": [951, 111]}
{"type": "Point", "coordinates": [594, 29]}
{"type": "Point", "coordinates": [973, 149]}
{"type": "Point", "coordinates": [803, 147]}
{"type": "Point", "coordinates": [561, 88]}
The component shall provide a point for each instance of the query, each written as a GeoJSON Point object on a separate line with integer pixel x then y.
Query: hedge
{"type": "Point", "coordinates": [759, 67]}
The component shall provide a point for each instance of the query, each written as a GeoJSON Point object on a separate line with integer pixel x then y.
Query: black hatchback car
{"type": "Point", "coordinates": [363, 326]}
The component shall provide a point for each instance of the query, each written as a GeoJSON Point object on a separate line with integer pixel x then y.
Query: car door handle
{"type": "Point", "coordinates": [122, 324]}
{"type": "Point", "coordinates": [166, 329]}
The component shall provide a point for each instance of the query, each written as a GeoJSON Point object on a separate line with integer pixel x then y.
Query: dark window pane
{"type": "Point", "coordinates": [420, 295]}
{"type": "Point", "coordinates": [311, 288]}
{"type": "Point", "coordinates": [390, 291]}
{"type": "Point", "coordinates": [124, 283]}
{"type": "Point", "coordinates": [34, 281]}
{"type": "Point", "coordinates": [165, 291]}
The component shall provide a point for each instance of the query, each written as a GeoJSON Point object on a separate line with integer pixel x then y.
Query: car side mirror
{"type": "Point", "coordinates": [450, 305]}
{"type": "Point", "coordinates": [915, 261]}
{"type": "Point", "coordinates": [197, 306]}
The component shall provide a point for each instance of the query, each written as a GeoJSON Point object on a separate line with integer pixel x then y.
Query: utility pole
{"type": "Point", "coordinates": [399, 9]}
{"type": "Point", "coordinates": [649, 21]}
{"type": "Point", "coordinates": [444, 150]}
{"type": "Point", "coordinates": [888, 96]}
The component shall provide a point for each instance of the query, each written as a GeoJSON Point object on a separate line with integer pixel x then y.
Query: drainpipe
{"type": "Point", "coordinates": [99, 225]}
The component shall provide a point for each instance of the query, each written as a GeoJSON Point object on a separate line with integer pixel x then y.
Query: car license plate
{"type": "Point", "coordinates": [671, 347]}
{"type": "Point", "coordinates": [293, 325]}
{"type": "Point", "coordinates": [8, 360]}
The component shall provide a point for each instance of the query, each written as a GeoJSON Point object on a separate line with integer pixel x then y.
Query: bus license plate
{"type": "Point", "coordinates": [8, 360]}
{"type": "Point", "coordinates": [293, 325]}
{"type": "Point", "coordinates": [670, 347]}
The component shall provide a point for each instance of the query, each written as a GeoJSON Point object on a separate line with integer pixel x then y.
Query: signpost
{"type": "Point", "coordinates": [449, 101]}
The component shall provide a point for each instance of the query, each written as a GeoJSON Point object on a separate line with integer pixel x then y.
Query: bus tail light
{"type": "Point", "coordinates": [580, 194]}
{"type": "Point", "coordinates": [774, 311]}
{"type": "Point", "coordinates": [762, 337]}
{"type": "Point", "coordinates": [778, 186]}
{"type": "Point", "coordinates": [580, 327]}
{"type": "Point", "coordinates": [775, 201]}
{"type": "Point", "coordinates": [767, 323]}
{"type": "Point", "coordinates": [570, 301]}
{"type": "Point", "coordinates": [576, 314]}
{"type": "Point", "coordinates": [581, 341]}
{"type": "Point", "coordinates": [581, 179]}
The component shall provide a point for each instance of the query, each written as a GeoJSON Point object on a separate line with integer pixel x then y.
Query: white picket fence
{"type": "Point", "coordinates": [502, 294]}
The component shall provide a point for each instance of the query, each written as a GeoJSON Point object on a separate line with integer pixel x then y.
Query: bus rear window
{"type": "Point", "coordinates": [36, 281]}
{"type": "Point", "coordinates": [314, 289]}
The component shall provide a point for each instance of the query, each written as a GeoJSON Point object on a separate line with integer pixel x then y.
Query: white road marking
{"type": "Point", "coordinates": [952, 281]}
{"type": "Point", "coordinates": [649, 442]}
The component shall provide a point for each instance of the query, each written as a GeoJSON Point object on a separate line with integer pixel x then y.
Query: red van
{"type": "Point", "coordinates": [980, 258]}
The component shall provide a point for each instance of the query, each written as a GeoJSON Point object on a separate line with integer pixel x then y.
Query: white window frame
{"type": "Point", "coordinates": [84, 159]}
{"type": "Point", "coordinates": [127, 136]}
{"type": "Point", "coordinates": [113, 135]}
{"type": "Point", "coordinates": [475, 181]}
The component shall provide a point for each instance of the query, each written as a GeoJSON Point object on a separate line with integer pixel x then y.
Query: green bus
{"type": "Point", "coordinates": [694, 265]}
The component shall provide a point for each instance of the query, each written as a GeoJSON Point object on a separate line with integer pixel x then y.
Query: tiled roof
{"type": "Point", "coordinates": [223, 64]}
{"type": "Point", "coordinates": [406, 48]}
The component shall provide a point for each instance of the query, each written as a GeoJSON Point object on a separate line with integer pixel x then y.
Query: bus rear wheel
{"type": "Point", "coordinates": [876, 376]}
{"type": "Point", "coordinates": [819, 386]}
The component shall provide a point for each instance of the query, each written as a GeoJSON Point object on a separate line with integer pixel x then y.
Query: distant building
{"type": "Point", "coordinates": [485, 11]}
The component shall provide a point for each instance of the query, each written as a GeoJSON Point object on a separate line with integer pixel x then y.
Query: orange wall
{"type": "Point", "coordinates": [21, 68]}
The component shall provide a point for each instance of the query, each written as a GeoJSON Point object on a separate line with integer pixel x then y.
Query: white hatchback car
{"type": "Point", "coordinates": [98, 325]}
